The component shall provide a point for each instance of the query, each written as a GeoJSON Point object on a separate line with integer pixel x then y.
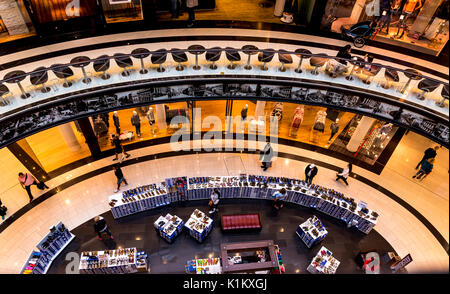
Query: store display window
{"type": "Point", "coordinates": [122, 10]}
{"type": "Point", "coordinates": [57, 10]}
{"type": "Point", "coordinates": [15, 22]}
{"type": "Point", "coordinates": [421, 25]}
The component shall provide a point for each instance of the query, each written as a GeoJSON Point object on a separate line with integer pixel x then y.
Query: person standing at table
{"type": "Point", "coordinates": [214, 202]}
{"type": "Point", "coordinates": [190, 5]}
{"type": "Point", "coordinates": [278, 198]}
{"type": "Point", "coordinates": [100, 227]}
{"type": "Point", "coordinates": [343, 175]}
{"type": "Point", "coordinates": [310, 173]}
{"type": "Point", "coordinates": [27, 180]}
{"type": "Point", "coordinates": [429, 153]}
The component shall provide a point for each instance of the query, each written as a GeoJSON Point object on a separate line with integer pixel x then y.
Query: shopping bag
{"type": "Point", "coordinates": [210, 203]}
{"type": "Point", "coordinates": [41, 186]}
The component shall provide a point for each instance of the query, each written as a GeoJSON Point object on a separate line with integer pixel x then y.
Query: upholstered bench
{"type": "Point", "coordinates": [236, 222]}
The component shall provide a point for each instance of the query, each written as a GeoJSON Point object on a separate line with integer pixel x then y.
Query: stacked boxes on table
{"type": "Point", "coordinates": [323, 263]}
{"type": "Point", "coordinates": [169, 227]}
{"type": "Point", "coordinates": [199, 225]}
{"type": "Point", "coordinates": [49, 248]}
{"type": "Point", "coordinates": [119, 261]}
{"type": "Point", "coordinates": [139, 199]}
{"type": "Point", "coordinates": [204, 266]}
{"type": "Point", "coordinates": [311, 231]}
{"type": "Point", "coordinates": [299, 192]}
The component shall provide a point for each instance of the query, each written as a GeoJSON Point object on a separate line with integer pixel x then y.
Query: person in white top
{"type": "Point", "coordinates": [343, 175]}
{"type": "Point", "coordinates": [214, 202]}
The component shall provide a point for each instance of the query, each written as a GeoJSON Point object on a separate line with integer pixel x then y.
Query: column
{"type": "Point", "coordinates": [69, 137]}
{"type": "Point", "coordinates": [161, 116]}
{"type": "Point", "coordinates": [358, 136]}
{"type": "Point", "coordinates": [23, 152]}
{"type": "Point", "coordinates": [259, 110]}
{"type": "Point", "coordinates": [424, 16]}
{"type": "Point", "coordinates": [12, 18]}
{"type": "Point", "coordinates": [89, 136]}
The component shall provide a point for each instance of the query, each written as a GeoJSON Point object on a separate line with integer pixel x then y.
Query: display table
{"type": "Point", "coordinates": [119, 261]}
{"type": "Point", "coordinates": [299, 192]}
{"type": "Point", "coordinates": [204, 266]}
{"type": "Point", "coordinates": [49, 248]}
{"type": "Point", "coordinates": [169, 227]}
{"type": "Point", "coordinates": [323, 262]}
{"type": "Point", "coordinates": [312, 231]}
{"type": "Point", "coordinates": [199, 225]}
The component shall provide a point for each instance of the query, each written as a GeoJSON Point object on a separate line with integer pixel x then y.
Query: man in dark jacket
{"type": "Point", "coordinates": [100, 227]}
{"type": "Point", "coordinates": [429, 153]}
{"type": "Point", "coordinates": [266, 157]}
{"type": "Point", "coordinates": [310, 172]}
{"type": "Point", "coordinates": [120, 178]}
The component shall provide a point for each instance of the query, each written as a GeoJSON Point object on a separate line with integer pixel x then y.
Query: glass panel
{"type": "Point", "coordinates": [55, 10]}
{"type": "Point", "coordinates": [15, 23]}
{"type": "Point", "coordinates": [58, 146]}
{"type": "Point", "coordinates": [122, 10]}
{"type": "Point", "coordinates": [212, 114]}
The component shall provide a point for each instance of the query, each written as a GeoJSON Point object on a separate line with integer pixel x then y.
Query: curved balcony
{"type": "Point", "coordinates": [403, 96]}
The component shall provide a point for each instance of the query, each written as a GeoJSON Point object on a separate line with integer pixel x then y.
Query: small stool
{"type": "Point", "coordinates": [444, 94]}
{"type": "Point", "coordinates": [375, 68]}
{"type": "Point", "coordinates": [317, 61]}
{"type": "Point", "coordinates": [266, 56]}
{"type": "Point", "coordinates": [179, 56]}
{"type": "Point", "coordinates": [213, 55]}
{"type": "Point", "coordinates": [159, 57]}
{"type": "Point", "coordinates": [232, 56]}
{"type": "Point", "coordinates": [196, 50]}
{"type": "Point", "coordinates": [82, 62]}
{"type": "Point", "coordinates": [141, 53]}
{"type": "Point", "coordinates": [101, 64]}
{"type": "Point", "coordinates": [16, 77]}
{"type": "Point", "coordinates": [3, 91]}
{"type": "Point", "coordinates": [301, 53]}
{"type": "Point", "coordinates": [390, 75]}
{"type": "Point", "coordinates": [412, 74]}
{"type": "Point", "coordinates": [62, 71]}
{"type": "Point", "coordinates": [284, 58]}
{"type": "Point", "coordinates": [39, 77]}
{"type": "Point", "coordinates": [124, 61]}
{"type": "Point", "coordinates": [356, 61]}
{"type": "Point", "coordinates": [426, 86]}
{"type": "Point", "coordinates": [249, 50]}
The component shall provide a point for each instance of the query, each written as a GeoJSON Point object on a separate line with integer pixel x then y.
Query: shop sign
{"type": "Point", "coordinates": [402, 263]}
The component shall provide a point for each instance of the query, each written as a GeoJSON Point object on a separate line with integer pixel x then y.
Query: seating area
{"type": "Point", "coordinates": [239, 222]}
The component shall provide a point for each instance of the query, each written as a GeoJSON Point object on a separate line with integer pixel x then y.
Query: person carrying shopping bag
{"type": "Point", "coordinates": [214, 202]}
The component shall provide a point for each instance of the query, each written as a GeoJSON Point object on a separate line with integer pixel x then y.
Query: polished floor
{"type": "Point", "coordinates": [164, 258]}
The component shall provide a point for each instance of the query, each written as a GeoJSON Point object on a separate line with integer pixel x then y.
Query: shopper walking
{"type": "Point", "coordinates": [118, 148]}
{"type": "Point", "coordinates": [120, 178]}
{"type": "Point", "coordinates": [214, 202]}
{"type": "Point", "coordinates": [27, 180]}
{"type": "Point", "coordinates": [425, 168]}
{"type": "Point", "coordinates": [100, 227]}
{"type": "Point", "coordinates": [343, 175]}
{"type": "Point", "coordinates": [3, 210]}
{"type": "Point", "coordinates": [136, 122]}
{"type": "Point", "coordinates": [429, 153]}
{"type": "Point", "coordinates": [278, 198]}
{"type": "Point", "coordinates": [190, 5]}
{"type": "Point", "coordinates": [310, 173]}
{"type": "Point", "coordinates": [265, 156]}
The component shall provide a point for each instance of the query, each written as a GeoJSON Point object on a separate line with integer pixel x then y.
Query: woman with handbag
{"type": "Point", "coordinates": [27, 180]}
{"type": "Point", "coordinates": [214, 202]}
{"type": "Point", "coordinates": [343, 175]}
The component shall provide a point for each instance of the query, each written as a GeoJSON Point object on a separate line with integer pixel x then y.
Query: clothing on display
{"type": "Point", "coordinates": [334, 127]}
{"type": "Point", "coordinates": [298, 117]}
{"type": "Point", "coordinates": [116, 122]}
{"type": "Point", "coordinates": [151, 116]}
{"type": "Point", "coordinates": [100, 127]}
{"type": "Point", "coordinates": [319, 124]}
{"type": "Point", "coordinates": [244, 112]}
{"type": "Point", "coordinates": [136, 122]}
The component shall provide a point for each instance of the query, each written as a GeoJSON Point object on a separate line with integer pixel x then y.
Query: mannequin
{"type": "Point", "coordinates": [334, 129]}
{"type": "Point", "coordinates": [136, 122]}
{"type": "Point", "coordinates": [243, 117]}
{"type": "Point", "coordinates": [319, 124]}
{"type": "Point", "coordinates": [151, 119]}
{"type": "Point", "coordinates": [408, 8]}
{"type": "Point", "coordinates": [297, 120]}
{"type": "Point", "coordinates": [116, 122]}
{"type": "Point", "coordinates": [100, 127]}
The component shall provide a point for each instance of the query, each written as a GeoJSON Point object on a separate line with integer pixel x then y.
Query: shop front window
{"type": "Point", "coordinates": [15, 23]}
{"type": "Point", "coordinates": [421, 25]}
{"type": "Point", "coordinates": [122, 10]}
{"type": "Point", "coordinates": [57, 10]}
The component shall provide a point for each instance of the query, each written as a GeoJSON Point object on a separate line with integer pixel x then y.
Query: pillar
{"type": "Point", "coordinates": [23, 152]}
{"type": "Point", "coordinates": [161, 115]}
{"type": "Point", "coordinates": [69, 137]}
{"type": "Point", "coordinates": [360, 133]}
{"type": "Point", "coordinates": [89, 136]}
{"type": "Point", "coordinates": [12, 18]}
{"type": "Point", "coordinates": [424, 16]}
{"type": "Point", "coordinates": [259, 110]}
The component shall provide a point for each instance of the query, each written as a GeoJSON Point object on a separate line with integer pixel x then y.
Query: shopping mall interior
{"type": "Point", "coordinates": [249, 139]}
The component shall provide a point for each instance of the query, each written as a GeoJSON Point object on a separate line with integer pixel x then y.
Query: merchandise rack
{"type": "Point", "coordinates": [323, 263]}
{"type": "Point", "coordinates": [49, 248]}
{"type": "Point", "coordinates": [204, 266]}
{"type": "Point", "coordinates": [312, 231]}
{"type": "Point", "coordinates": [299, 192]}
{"type": "Point", "coordinates": [281, 269]}
{"type": "Point", "coordinates": [199, 225]}
{"type": "Point", "coordinates": [169, 227]}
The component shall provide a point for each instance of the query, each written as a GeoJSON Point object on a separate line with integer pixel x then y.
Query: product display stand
{"type": "Point", "coordinates": [204, 266]}
{"type": "Point", "coordinates": [312, 231]}
{"type": "Point", "coordinates": [299, 192]}
{"type": "Point", "coordinates": [177, 189]}
{"type": "Point", "coordinates": [281, 269]}
{"type": "Point", "coordinates": [49, 248]}
{"type": "Point", "coordinates": [323, 263]}
{"type": "Point", "coordinates": [169, 227]}
{"type": "Point", "coordinates": [119, 261]}
{"type": "Point", "coordinates": [199, 225]}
